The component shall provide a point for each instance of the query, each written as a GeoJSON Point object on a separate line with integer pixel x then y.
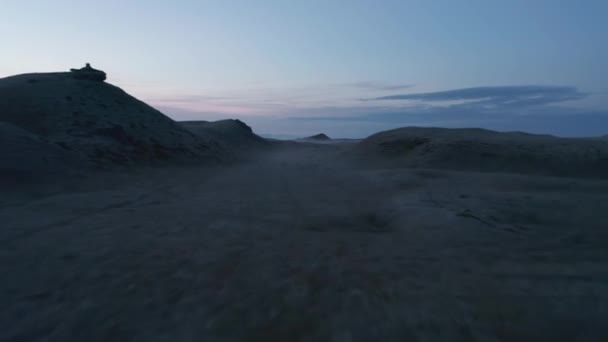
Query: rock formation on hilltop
{"type": "Point", "coordinates": [88, 73]}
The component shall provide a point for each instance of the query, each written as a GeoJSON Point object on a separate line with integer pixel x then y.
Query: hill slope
{"type": "Point", "coordinates": [25, 157]}
{"type": "Point", "coordinates": [233, 134]}
{"type": "Point", "coordinates": [97, 120]}
{"type": "Point", "coordinates": [488, 151]}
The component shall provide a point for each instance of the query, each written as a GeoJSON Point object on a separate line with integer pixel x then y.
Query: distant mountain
{"type": "Point", "coordinates": [320, 136]}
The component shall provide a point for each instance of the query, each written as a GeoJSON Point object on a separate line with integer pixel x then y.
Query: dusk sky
{"type": "Point", "coordinates": [346, 68]}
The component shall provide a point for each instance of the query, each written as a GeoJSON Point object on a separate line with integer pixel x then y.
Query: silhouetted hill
{"type": "Point", "coordinates": [320, 136]}
{"type": "Point", "coordinates": [97, 120]}
{"type": "Point", "coordinates": [234, 134]}
{"type": "Point", "coordinates": [488, 151]}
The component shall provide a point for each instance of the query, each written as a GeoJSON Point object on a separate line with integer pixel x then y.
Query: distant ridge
{"type": "Point", "coordinates": [233, 134]}
{"type": "Point", "coordinates": [483, 150]}
{"type": "Point", "coordinates": [320, 136]}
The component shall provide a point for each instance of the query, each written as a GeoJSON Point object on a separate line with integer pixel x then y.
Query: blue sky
{"type": "Point", "coordinates": [348, 68]}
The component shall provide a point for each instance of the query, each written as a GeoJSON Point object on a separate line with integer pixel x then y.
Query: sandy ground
{"type": "Point", "coordinates": [299, 244]}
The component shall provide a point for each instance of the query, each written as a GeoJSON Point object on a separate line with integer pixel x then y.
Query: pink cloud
{"type": "Point", "coordinates": [209, 106]}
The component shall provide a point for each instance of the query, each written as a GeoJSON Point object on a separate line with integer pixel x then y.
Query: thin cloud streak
{"type": "Point", "coordinates": [192, 98]}
{"type": "Point", "coordinates": [511, 96]}
{"type": "Point", "coordinates": [373, 85]}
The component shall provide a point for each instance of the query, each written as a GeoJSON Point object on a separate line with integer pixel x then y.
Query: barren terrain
{"type": "Point", "coordinates": [304, 243]}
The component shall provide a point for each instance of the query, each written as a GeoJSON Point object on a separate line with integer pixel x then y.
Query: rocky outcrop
{"type": "Point", "coordinates": [88, 73]}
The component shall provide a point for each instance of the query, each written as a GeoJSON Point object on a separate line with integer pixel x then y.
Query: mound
{"type": "Point", "coordinates": [488, 151]}
{"type": "Point", "coordinates": [99, 120]}
{"type": "Point", "coordinates": [26, 157]}
{"type": "Point", "coordinates": [320, 136]}
{"type": "Point", "coordinates": [231, 133]}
